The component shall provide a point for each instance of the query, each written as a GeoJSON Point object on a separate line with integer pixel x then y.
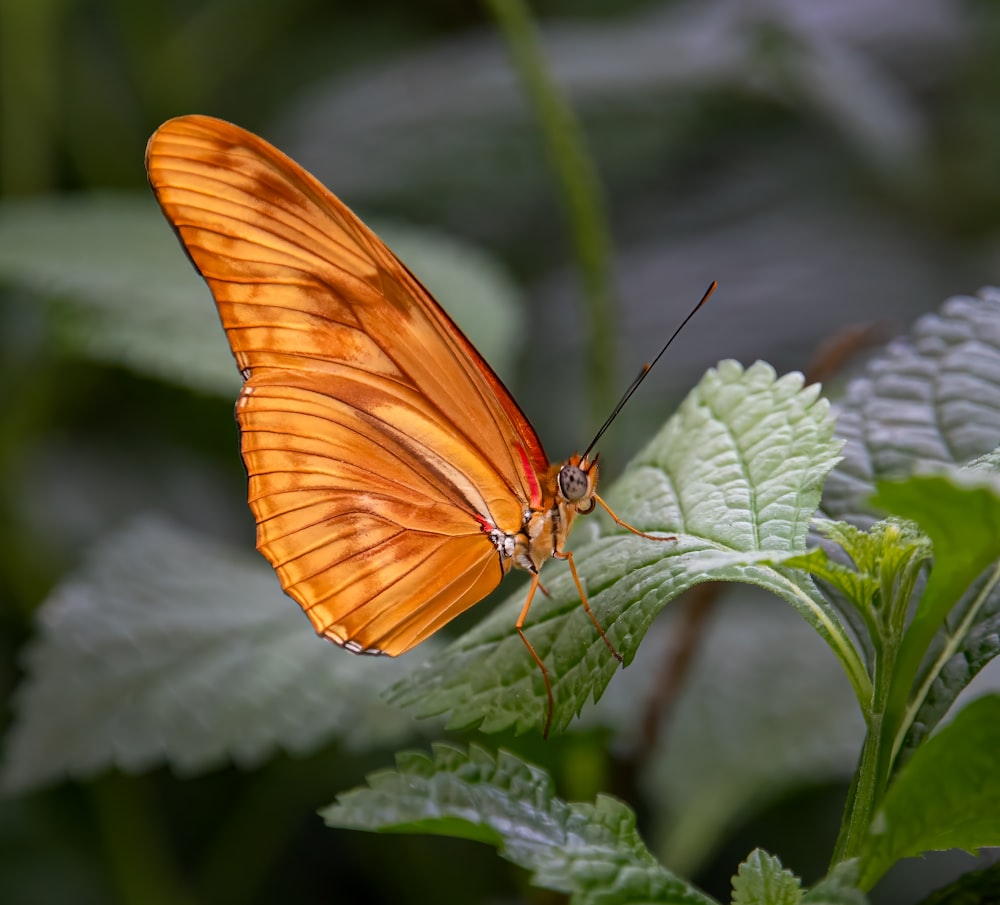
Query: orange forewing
{"type": "Point", "coordinates": [376, 438]}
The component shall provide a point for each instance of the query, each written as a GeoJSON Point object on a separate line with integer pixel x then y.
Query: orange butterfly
{"type": "Point", "coordinates": [393, 477]}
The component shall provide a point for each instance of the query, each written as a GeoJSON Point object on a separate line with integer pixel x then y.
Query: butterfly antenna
{"type": "Point", "coordinates": [645, 369]}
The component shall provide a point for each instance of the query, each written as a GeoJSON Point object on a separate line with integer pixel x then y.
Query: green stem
{"type": "Point", "coordinates": [30, 58]}
{"type": "Point", "coordinates": [872, 775]}
{"type": "Point", "coordinates": [581, 198]}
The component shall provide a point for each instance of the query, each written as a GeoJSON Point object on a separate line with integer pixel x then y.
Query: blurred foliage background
{"type": "Point", "coordinates": [831, 164]}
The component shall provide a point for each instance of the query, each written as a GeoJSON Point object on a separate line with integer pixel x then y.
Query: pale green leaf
{"type": "Point", "coordinates": [168, 647]}
{"type": "Point", "coordinates": [738, 469]}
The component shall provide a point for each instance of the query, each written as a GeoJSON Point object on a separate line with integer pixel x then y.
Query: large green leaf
{"type": "Point", "coordinates": [591, 851]}
{"type": "Point", "coordinates": [736, 471]}
{"type": "Point", "coordinates": [167, 647]}
{"type": "Point", "coordinates": [946, 796]}
{"type": "Point", "coordinates": [132, 298]}
{"type": "Point", "coordinates": [931, 397]}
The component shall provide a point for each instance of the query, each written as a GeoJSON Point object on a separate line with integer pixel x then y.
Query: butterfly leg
{"type": "Point", "coordinates": [626, 525]}
{"type": "Point", "coordinates": [568, 556]}
{"type": "Point", "coordinates": [519, 625]}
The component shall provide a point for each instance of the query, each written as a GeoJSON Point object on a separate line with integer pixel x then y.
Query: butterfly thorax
{"type": "Point", "coordinates": [567, 490]}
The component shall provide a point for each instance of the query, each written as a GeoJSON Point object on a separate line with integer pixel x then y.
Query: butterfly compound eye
{"type": "Point", "coordinates": [573, 483]}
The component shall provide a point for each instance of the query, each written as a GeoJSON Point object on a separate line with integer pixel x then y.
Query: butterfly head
{"type": "Point", "coordinates": [577, 483]}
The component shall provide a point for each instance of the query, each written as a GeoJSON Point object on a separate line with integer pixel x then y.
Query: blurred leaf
{"type": "Point", "coordinates": [947, 796]}
{"type": "Point", "coordinates": [167, 647]}
{"type": "Point", "coordinates": [132, 298]}
{"type": "Point", "coordinates": [460, 133]}
{"type": "Point", "coordinates": [738, 468]}
{"type": "Point", "coordinates": [591, 851]}
{"type": "Point", "coordinates": [932, 397]}
{"type": "Point", "coordinates": [761, 880]}
{"type": "Point", "coordinates": [978, 887]}
{"type": "Point", "coordinates": [839, 887]}
{"type": "Point", "coordinates": [856, 93]}
{"type": "Point", "coordinates": [747, 728]}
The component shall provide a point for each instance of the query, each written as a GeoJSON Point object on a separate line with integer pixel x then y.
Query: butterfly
{"type": "Point", "coordinates": [394, 479]}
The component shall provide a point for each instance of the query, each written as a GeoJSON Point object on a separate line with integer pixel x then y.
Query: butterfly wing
{"type": "Point", "coordinates": [379, 444]}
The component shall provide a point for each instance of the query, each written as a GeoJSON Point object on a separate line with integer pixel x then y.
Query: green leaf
{"type": "Point", "coordinates": [886, 561]}
{"type": "Point", "coordinates": [170, 647]}
{"type": "Point", "coordinates": [960, 512]}
{"type": "Point", "coordinates": [762, 880]}
{"type": "Point", "coordinates": [591, 851]}
{"type": "Point", "coordinates": [130, 296]}
{"type": "Point", "coordinates": [737, 470]}
{"type": "Point", "coordinates": [839, 887]}
{"type": "Point", "coordinates": [928, 398]}
{"type": "Point", "coordinates": [946, 796]}
{"type": "Point", "coordinates": [989, 462]}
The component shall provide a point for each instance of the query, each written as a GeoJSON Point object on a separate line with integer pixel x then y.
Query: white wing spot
{"type": "Point", "coordinates": [356, 648]}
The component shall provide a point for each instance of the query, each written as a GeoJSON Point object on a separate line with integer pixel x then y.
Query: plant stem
{"type": "Point", "coordinates": [872, 775]}
{"type": "Point", "coordinates": [30, 66]}
{"type": "Point", "coordinates": [581, 198]}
